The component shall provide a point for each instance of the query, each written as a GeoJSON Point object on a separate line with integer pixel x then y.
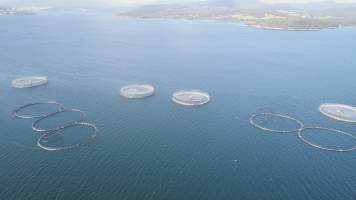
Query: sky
{"type": "Point", "coordinates": [306, 1]}
{"type": "Point", "coordinates": [141, 2]}
{"type": "Point", "coordinates": [87, 2]}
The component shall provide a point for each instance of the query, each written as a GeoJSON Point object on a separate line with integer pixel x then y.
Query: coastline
{"type": "Point", "coordinates": [241, 23]}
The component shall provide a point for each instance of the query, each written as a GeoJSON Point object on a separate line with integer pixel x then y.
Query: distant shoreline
{"type": "Point", "coordinates": [240, 23]}
{"type": "Point", "coordinates": [265, 18]}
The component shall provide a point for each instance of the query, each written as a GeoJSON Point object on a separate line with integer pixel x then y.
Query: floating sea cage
{"type": "Point", "coordinates": [137, 91]}
{"type": "Point", "coordinates": [301, 130]}
{"type": "Point", "coordinates": [339, 112]}
{"type": "Point", "coordinates": [29, 81]}
{"type": "Point", "coordinates": [54, 138]}
{"type": "Point", "coordinates": [191, 97]}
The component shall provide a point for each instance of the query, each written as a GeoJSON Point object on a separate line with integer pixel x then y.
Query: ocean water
{"type": "Point", "coordinates": [155, 149]}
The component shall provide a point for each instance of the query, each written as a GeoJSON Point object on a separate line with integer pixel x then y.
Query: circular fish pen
{"type": "Point", "coordinates": [191, 97]}
{"type": "Point", "coordinates": [44, 140]}
{"type": "Point", "coordinates": [16, 112]}
{"type": "Point", "coordinates": [318, 146]}
{"type": "Point", "coordinates": [29, 81]}
{"type": "Point", "coordinates": [339, 112]}
{"type": "Point", "coordinates": [137, 91]}
{"type": "Point", "coordinates": [52, 138]}
{"type": "Point", "coordinates": [36, 128]}
{"type": "Point", "coordinates": [262, 124]}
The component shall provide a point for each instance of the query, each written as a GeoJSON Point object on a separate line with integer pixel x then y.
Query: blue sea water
{"type": "Point", "coordinates": [155, 149]}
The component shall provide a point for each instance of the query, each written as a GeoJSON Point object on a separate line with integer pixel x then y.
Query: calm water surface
{"type": "Point", "coordinates": [154, 149]}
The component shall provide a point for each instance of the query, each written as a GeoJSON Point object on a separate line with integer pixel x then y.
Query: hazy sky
{"type": "Point", "coordinates": [87, 2]}
{"type": "Point", "coordinates": [139, 2]}
{"type": "Point", "coordinates": [307, 1]}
